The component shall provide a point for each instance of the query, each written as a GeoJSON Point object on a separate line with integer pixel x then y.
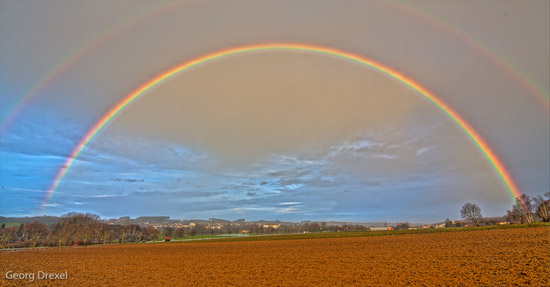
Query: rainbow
{"type": "Point", "coordinates": [78, 54]}
{"type": "Point", "coordinates": [479, 142]}
{"type": "Point", "coordinates": [528, 84]}
{"type": "Point", "coordinates": [542, 96]}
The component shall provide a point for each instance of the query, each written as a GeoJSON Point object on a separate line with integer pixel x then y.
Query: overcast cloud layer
{"type": "Point", "coordinates": [273, 135]}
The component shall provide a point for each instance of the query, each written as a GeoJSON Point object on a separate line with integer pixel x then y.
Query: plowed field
{"type": "Point", "coordinates": [502, 257]}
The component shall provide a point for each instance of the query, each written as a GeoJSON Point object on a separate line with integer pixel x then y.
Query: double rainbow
{"type": "Point", "coordinates": [529, 85]}
{"type": "Point", "coordinates": [481, 144]}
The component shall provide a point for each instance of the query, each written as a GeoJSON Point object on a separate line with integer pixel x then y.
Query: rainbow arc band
{"type": "Point", "coordinates": [479, 142]}
{"type": "Point", "coordinates": [530, 85]}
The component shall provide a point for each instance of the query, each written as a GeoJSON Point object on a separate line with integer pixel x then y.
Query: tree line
{"type": "Point", "coordinates": [73, 229]}
{"type": "Point", "coordinates": [525, 210]}
{"type": "Point", "coordinates": [86, 228]}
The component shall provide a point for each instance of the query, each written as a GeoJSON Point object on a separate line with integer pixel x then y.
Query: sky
{"type": "Point", "coordinates": [288, 135]}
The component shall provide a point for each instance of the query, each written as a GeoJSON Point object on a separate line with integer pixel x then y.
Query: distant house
{"type": "Point", "coordinates": [379, 228]}
{"type": "Point", "coordinates": [274, 226]}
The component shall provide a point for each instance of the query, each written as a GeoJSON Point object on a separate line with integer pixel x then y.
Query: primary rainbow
{"type": "Point", "coordinates": [481, 144]}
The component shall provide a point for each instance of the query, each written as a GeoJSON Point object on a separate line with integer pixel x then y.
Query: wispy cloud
{"type": "Point", "coordinates": [385, 156]}
{"type": "Point", "coordinates": [422, 150]}
{"type": "Point", "coordinates": [290, 203]}
{"type": "Point", "coordinates": [127, 179]}
{"type": "Point", "coordinates": [356, 145]}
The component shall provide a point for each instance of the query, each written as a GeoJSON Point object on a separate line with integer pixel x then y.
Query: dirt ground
{"type": "Point", "coordinates": [501, 257]}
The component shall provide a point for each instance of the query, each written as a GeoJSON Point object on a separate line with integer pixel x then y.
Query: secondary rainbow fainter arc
{"type": "Point", "coordinates": [75, 57]}
{"type": "Point", "coordinates": [479, 142]}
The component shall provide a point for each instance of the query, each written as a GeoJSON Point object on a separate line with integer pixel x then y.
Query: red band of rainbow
{"type": "Point", "coordinates": [481, 144]}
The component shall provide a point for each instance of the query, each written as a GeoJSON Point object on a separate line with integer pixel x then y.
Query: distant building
{"type": "Point", "coordinates": [380, 228]}
{"type": "Point", "coordinates": [274, 226]}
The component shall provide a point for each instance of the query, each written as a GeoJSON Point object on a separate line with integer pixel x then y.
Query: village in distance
{"type": "Point", "coordinates": [86, 228]}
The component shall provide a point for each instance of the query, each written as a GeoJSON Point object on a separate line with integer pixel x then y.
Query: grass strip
{"type": "Point", "coordinates": [319, 235]}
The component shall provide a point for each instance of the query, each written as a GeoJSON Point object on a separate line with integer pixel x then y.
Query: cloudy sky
{"type": "Point", "coordinates": [273, 134]}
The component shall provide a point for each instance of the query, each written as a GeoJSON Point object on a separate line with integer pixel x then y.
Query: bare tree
{"type": "Point", "coordinates": [151, 233]}
{"type": "Point", "coordinates": [8, 235]}
{"type": "Point", "coordinates": [124, 230]}
{"type": "Point", "coordinates": [543, 207]}
{"type": "Point", "coordinates": [525, 204]}
{"type": "Point", "coordinates": [105, 233]}
{"type": "Point", "coordinates": [402, 226]}
{"type": "Point", "coordinates": [36, 231]}
{"type": "Point", "coordinates": [471, 212]}
{"type": "Point", "coordinates": [514, 215]}
{"type": "Point", "coordinates": [179, 232]}
{"type": "Point", "coordinates": [168, 231]}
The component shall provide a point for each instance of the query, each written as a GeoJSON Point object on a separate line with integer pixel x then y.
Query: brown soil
{"type": "Point", "coordinates": [501, 257]}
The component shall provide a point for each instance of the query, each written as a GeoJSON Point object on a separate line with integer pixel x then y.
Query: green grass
{"type": "Point", "coordinates": [197, 237]}
{"type": "Point", "coordinates": [10, 224]}
{"type": "Point", "coordinates": [206, 236]}
{"type": "Point", "coordinates": [367, 233]}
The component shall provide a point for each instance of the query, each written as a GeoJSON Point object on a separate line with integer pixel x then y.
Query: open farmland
{"type": "Point", "coordinates": [487, 257]}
